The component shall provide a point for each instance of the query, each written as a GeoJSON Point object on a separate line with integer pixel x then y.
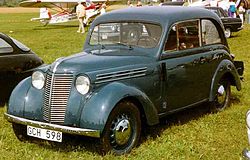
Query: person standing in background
{"type": "Point", "coordinates": [241, 13]}
{"type": "Point", "coordinates": [139, 4]}
{"type": "Point", "coordinates": [232, 9]}
{"type": "Point", "coordinates": [129, 3]}
{"type": "Point", "coordinates": [103, 8]}
{"type": "Point", "coordinates": [80, 12]}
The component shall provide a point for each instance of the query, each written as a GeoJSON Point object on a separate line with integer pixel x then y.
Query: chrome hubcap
{"type": "Point", "coordinates": [221, 94]}
{"type": "Point", "coordinates": [121, 131]}
{"type": "Point", "coordinates": [227, 33]}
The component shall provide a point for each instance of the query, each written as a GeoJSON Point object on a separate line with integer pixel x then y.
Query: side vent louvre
{"type": "Point", "coordinates": [113, 76]}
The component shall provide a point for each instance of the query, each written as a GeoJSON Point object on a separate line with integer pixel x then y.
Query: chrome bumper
{"type": "Point", "coordinates": [246, 154]}
{"type": "Point", "coordinates": [63, 129]}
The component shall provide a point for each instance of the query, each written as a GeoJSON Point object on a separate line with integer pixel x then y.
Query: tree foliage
{"type": "Point", "coordinates": [9, 3]}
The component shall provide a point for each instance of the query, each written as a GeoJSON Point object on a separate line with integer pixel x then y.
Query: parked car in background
{"type": "Point", "coordinates": [16, 63]}
{"type": "Point", "coordinates": [175, 58]}
{"type": "Point", "coordinates": [230, 24]}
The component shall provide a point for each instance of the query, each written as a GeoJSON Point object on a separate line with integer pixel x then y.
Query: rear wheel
{"type": "Point", "coordinates": [122, 130]}
{"type": "Point", "coordinates": [222, 98]}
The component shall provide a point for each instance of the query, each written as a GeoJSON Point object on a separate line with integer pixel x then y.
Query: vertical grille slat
{"type": "Point", "coordinates": [57, 90]}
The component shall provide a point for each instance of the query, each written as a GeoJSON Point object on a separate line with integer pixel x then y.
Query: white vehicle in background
{"type": "Point", "coordinates": [65, 10]}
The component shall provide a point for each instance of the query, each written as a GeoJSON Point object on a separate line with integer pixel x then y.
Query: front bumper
{"type": "Point", "coordinates": [63, 129]}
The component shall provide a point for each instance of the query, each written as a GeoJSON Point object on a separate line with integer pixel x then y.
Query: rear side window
{"type": "Point", "coordinates": [5, 47]}
{"type": "Point", "coordinates": [192, 34]}
{"type": "Point", "coordinates": [20, 45]}
{"type": "Point", "coordinates": [210, 34]}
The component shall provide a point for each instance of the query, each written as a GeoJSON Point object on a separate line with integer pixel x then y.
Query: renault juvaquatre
{"type": "Point", "coordinates": [138, 65]}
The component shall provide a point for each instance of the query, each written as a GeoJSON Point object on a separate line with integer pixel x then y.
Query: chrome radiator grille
{"type": "Point", "coordinates": [57, 90]}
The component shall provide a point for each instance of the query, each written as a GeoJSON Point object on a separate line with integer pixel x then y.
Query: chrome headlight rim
{"type": "Point", "coordinates": [82, 84]}
{"type": "Point", "coordinates": [38, 79]}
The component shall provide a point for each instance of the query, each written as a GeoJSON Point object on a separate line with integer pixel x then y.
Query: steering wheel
{"type": "Point", "coordinates": [146, 41]}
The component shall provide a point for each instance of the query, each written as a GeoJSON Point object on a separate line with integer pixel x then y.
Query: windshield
{"type": "Point", "coordinates": [144, 35]}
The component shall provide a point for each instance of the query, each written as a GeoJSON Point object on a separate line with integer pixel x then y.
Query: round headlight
{"type": "Point", "coordinates": [82, 84]}
{"type": "Point", "coordinates": [38, 79]}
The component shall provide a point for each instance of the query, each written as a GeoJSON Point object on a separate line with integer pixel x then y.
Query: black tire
{"type": "Point", "coordinates": [122, 130]}
{"type": "Point", "coordinates": [222, 97]}
{"type": "Point", "coordinates": [20, 132]}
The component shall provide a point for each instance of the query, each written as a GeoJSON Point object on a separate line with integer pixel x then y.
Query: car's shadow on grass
{"type": "Point", "coordinates": [71, 143]}
{"type": "Point", "coordinates": [234, 36]}
{"type": "Point", "coordinates": [180, 118]}
{"type": "Point", "coordinates": [85, 144]}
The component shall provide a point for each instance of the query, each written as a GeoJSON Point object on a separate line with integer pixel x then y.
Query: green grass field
{"type": "Point", "coordinates": [189, 135]}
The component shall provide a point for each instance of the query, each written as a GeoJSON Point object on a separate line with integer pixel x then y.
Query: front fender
{"type": "Point", "coordinates": [17, 98]}
{"type": "Point", "coordinates": [24, 102]}
{"type": "Point", "coordinates": [97, 109]}
{"type": "Point", "coordinates": [225, 68]}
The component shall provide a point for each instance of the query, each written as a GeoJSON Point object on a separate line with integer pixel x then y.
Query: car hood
{"type": "Point", "coordinates": [85, 62]}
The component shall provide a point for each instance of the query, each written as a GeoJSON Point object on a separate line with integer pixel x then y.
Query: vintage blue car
{"type": "Point", "coordinates": [138, 65]}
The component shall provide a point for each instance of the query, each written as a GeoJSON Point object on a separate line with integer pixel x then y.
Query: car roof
{"type": "Point", "coordinates": [156, 14]}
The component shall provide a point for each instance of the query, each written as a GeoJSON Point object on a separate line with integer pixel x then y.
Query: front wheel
{"type": "Point", "coordinates": [222, 98]}
{"type": "Point", "coordinates": [122, 130]}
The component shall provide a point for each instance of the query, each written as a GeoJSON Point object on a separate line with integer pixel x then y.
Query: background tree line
{"type": "Point", "coordinates": [9, 3]}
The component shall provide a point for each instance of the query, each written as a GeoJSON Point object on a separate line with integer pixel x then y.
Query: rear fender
{"type": "Point", "coordinates": [225, 69]}
{"type": "Point", "coordinates": [97, 109]}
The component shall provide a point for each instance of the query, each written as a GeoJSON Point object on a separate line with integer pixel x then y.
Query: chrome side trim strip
{"type": "Point", "coordinates": [64, 129]}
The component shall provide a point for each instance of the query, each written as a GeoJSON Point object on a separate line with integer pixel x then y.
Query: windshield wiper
{"type": "Point", "coordinates": [102, 46]}
{"type": "Point", "coordinates": [123, 44]}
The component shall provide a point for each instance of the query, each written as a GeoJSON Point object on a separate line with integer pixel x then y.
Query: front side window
{"type": "Point", "coordinates": [183, 36]}
{"type": "Point", "coordinates": [145, 35]}
{"type": "Point", "coordinates": [5, 47]}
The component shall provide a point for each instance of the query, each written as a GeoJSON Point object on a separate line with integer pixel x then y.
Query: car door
{"type": "Point", "coordinates": [188, 73]}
